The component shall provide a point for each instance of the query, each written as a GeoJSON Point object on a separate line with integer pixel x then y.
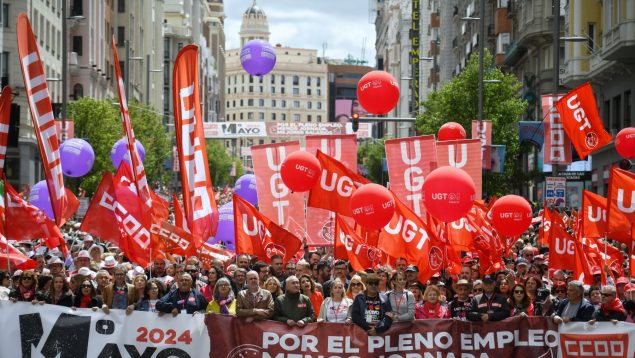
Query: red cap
{"type": "Point", "coordinates": [467, 260]}
{"type": "Point", "coordinates": [623, 280]}
{"type": "Point", "coordinates": [595, 270]}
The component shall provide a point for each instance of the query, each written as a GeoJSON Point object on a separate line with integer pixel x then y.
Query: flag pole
{"type": "Point", "coordinates": [4, 223]}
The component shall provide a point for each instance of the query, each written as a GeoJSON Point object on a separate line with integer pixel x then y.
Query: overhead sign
{"type": "Point", "coordinates": [281, 129]}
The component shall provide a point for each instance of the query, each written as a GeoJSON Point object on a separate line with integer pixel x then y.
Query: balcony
{"type": "Point", "coordinates": [514, 53]}
{"type": "Point", "coordinates": [619, 42]}
{"type": "Point", "coordinates": [177, 31]}
{"type": "Point", "coordinates": [501, 21]}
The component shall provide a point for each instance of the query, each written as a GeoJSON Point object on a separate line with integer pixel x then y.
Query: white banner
{"type": "Point", "coordinates": [54, 331]}
{"type": "Point", "coordinates": [581, 339]}
{"type": "Point", "coordinates": [282, 129]}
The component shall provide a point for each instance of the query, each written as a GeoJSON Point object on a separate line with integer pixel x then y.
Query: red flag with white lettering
{"type": "Point", "coordinates": [25, 221]}
{"type": "Point", "coordinates": [351, 247]}
{"type": "Point", "coordinates": [208, 253]}
{"type": "Point", "coordinates": [562, 252]}
{"type": "Point", "coordinates": [275, 200]}
{"type": "Point", "coordinates": [593, 215]}
{"type": "Point", "coordinates": [5, 115]}
{"type": "Point", "coordinates": [340, 147]}
{"type": "Point", "coordinates": [621, 205]}
{"type": "Point", "coordinates": [43, 120]}
{"type": "Point", "coordinates": [12, 258]}
{"type": "Point", "coordinates": [172, 239]}
{"type": "Point", "coordinates": [409, 161]}
{"type": "Point", "coordinates": [463, 154]}
{"type": "Point", "coordinates": [557, 148]}
{"type": "Point", "coordinates": [335, 187]}
{"type": "Point", "coordinates": [199, 202]}
{"type": "Point", "coordinates": [100, 219]}
{"type": "Point", "coordinates": [257, 235]}
{"type": "Point", "coordinates": [482, 130]}
{"type": "Point", "coordinates": [581, 120]}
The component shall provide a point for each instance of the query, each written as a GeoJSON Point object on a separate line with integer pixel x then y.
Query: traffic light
{"type": "Point", "coordinates": [355, 121]}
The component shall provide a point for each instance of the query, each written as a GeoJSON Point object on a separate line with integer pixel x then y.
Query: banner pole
{"type": "Point", "coordinates": [151, 261]}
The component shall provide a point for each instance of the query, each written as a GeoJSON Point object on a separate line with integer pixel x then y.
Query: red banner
{"type": "Point", "coordinates": [199, 203]}
{"type": "Point", "coordinates": [351, 247]}
{"type": "Point", "coordinates": [13, 259]}
{"type": "Point", "coordinates": [208, 253]}
{"type": "Point", "coordinates": [482, 130]}
{"type": "Point", "coordinates": [257, 235]}
{"type": "Point", "coordinates": [593, 215]}
{"type": "Point", "coordinates": [43, 120]}
{"type": "Point", "coordinates": [410, 160]}
{"type": "Point", "coordinates": [463, 154]}
{"type": "Point", "coordinates": [336, 186]}
{"type": "Point", "coordinates": [562, 250]}
{"type": "Point", "coordinates": [25, 221]}
{"type": "Point", "coordinates": [275, 200]}
{"type": "Point", "coordinates": [342, 148]}
{"type": "Point", "coordinates": [100, 217]}
{"type": "Point", "coordinates": [5, 115]}
{"type": "Point", "coordinates": [515, 337]}
{"type": "Point", "coordinates": [581, 121]}
{"type": "Point", "coordinates": [557, 148]}
{"type": "Point", "coordinates": [621, 205]}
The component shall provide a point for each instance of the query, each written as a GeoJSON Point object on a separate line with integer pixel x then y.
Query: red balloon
{"type": "Point", "coordinates": [373, 206]}
{"type": "Point", "coordinates": [625, 143]}
{"type": "Point", "coordinates": [448, 193]}
{"type": "Point", "coordinates": [378, 92]}
{"type": "Point", "coordinates": [511, 215]}
{"type": "Point", "coordinates": [451, 131]}
{"type": "Point", "coordinates": [300, 171]}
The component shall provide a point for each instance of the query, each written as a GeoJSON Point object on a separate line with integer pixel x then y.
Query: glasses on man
{"type": "Point", "coordinates": [191, 271]}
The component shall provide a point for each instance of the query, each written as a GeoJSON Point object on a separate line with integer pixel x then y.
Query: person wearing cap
{"type": "Point", "coordinates": [629, 302]}
{"type": "Point", "coordinates": [96, 251]}
{"type": "Point", "coordinates": [370, 308]}
{"type": "Point", "coordinates": [574, 308]}
{"type": "Point", "coordinates": [522, 267]}
{"type": "Point", "coordinates": [55, 265]}
{"type": "Point", "coordinates": [119, 294]}
{"type": "Point", "coordinates": [461, 305]}
{"type": "Point", "coordinates": [402, 302]}
{"type": "Point", "coordinates": [87, 241]}
{"type": "Point", "coordinates": [489, 305]}
{"type": "Point", "coordinates": [620, 284]}
{"type": "Point", "coordinates": [611, 308]}
{"type": "Point", "coordinates": [81, 260]}
{"type": "Point", "coordinates": [412, 274]}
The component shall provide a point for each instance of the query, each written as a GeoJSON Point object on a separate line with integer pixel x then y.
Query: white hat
{"type": "Point", "coordinates": [83, 253]}
{"type": "Point", "coordinates": [85, 271]}
{"type": "Point", "coordinates": [109, 262]}
{"type": "Point", "coordinates": [17, 273]}
{"type": "Point", "coordinates": [138, 270]}
{"type": "Point", "coordinates": [55, 260]}
{"type": "Point", "coordinates": [98, 247]}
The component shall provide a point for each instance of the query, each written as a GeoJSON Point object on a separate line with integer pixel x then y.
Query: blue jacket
{"type": "Point", "coordinates": [584, 314]}
{"type": "Point", "coordinates": [359, 308]}
{"type": "Point", "coordinates": [194, 301]}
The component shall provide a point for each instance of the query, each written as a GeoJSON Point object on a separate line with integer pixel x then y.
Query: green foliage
{"type": "Point", "coordinates": [370, 154]}
{"type": "Point", "coordinates": [220, 163]}
{"type": "Point", "coordinates": [99, 123]}
{"type": "Point", "coordinates": [457, 101]}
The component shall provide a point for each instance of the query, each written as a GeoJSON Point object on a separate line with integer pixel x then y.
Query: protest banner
{"type": "Point", "coordinates": [56, 331]}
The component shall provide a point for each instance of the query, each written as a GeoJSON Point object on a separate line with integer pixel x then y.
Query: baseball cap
{"type": "Point", "coordinates": [412, 268]}
{"type": "Point", "coordinates": [488, 278]}
{"type": "Point", "coordinates": [55, 260]}
{"type": "Point", "coordinates": [84, 254]}
{"type": "Point", "coordinates": [622, 280]}
{"type": "Point", "coordinates": [462, 282]}
{"type": "Point", "coordinates": [521, 261]}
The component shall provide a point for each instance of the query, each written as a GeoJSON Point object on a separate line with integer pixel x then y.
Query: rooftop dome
{"type": "Point", "coordinates": [254, 10]}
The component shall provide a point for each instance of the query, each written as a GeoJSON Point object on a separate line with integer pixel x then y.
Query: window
{"type": "Point", "coordinates": [282, 90]}
{"type": "Point", "coordinates": [606, 118]}
{"type": "Point", "coordinates": [77, 8]}
{"type": "Point", "coordinates": [77, 45]}
{"type": "Point", "coordinates": [121, 38]}
{"type": "Point", "coordinates": [308, 105]}
{"type": "Point", "coordinates": [228, 106]}
{"type": "Point", "coordinates": [273, 103]}
{"type": "Point", "coordinates": [78, 91]}
{"type": "Point", "coordinates": [308, 80]}
{"type": "Point", "coordinates": [282, 80]}
{"type": "Point", "coordinates": [319, 91]}
{"type": "Point", "coordinates": [296, 91]}
{"type": "Point", "coordinates": [591, 36]}
{"type": "Point", "coordinates": [283, 116]}
{"type": "Point", "coordinates": [261, 102]}
{"type": "Point", "coordinates": [241, 116]}
{"type": "Point", "coordinates": [166, 45]}
{"type": "Point", "coordinates": [318, 81]}
{"type": "Point", "coordinates": [250, 102]}
{"type": "Point", "coordinates": [273, 89]}
{"type": "Point", "coordinates": [308, 118]}
{"type": "Point", "coordinates": [319, 118]}
{"type": "Point", "coordinates": [4, 68]}
{"type": "Point", "coordinates": [617, 116]}
{"type": "Point", "coordinates": [234, 103]}
{"type": "Point", "coordinates": [251, 89]}
{"type": "Point", "coordinates": [260, 79]}
{"type": "Point", "coordinates": [241, 102]}
{"type": "Point", "coordinates": [273, 116]}
{"type": "Point", "coordinates": [250, 115]}
{"type": "Point", "coordinates": [296, 80]}
{"type": "Point", "coordinates": [261, 116]}
{"type": "Point", "coordinates": [283, 103]}
{"type": "Point", "coordinates": [121, 5]}
{"type": "Point", "coordinates": [296, 104]}
{"type": "Point", "coordinates": [319, 105]}
{"type": "Point", "coordinates": [273, 79]}
{"type": "Point", "coordinates": [627, 109]}
{"type": "Point", "coordinates": [251, 79]}
{"type": "Point", "coordinates": [5, 15]}
{"type": "Point", "coordinates": [308, 91]}
{"type": "Point", "coordinates": [296, 117]}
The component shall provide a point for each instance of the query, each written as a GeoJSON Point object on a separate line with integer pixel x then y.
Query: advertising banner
{"type": "Point", "coordinates": [343, 148]}
{"type": "Point", "coordinates": [555, 188]}
{"type": "Point", "coordinates": [579, 339]}
{"type": "Point", "coordinates": [216, 130]}
{"type": "Point", "coordinates": [56, 331]}
{"type": "Point", "coordinates": [463, 154]}
{"type": "Point", "coordinates": [557, 148]}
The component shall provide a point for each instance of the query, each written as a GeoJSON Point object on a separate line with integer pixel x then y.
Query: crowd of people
{"type": "Point", "coordinates": [317, 288]}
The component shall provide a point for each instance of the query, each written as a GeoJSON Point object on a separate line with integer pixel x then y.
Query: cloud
{"type": "Point", "coordinates": [342, 24]}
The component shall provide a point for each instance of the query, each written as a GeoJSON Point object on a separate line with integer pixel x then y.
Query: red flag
{"type": "Point", "coordinates": [409, 161]}
{"type": "Point", "coordinates": [562, 251]}
{"type": "Point", "coordinates": [10, 256]}
{"type": "Point", "coordinates": [179, 218]}
{"type": "Point", "coordinates": [593, 215]}
{"type": "Point", "coordinates": [343, 148]}
{"type": "Point", "coordinates": [25, 221]}
{"type": "Point", "coordinates": [461, 234]}
{"type": "Point", "coordinates": [482, 130]}
{"type": "Point", "coordinates": [172, 239]}
{"type": "Point", "coordinates": [351, 247]}
{"type": "Point", "coordinates": [275, 200]}
{"type": "Point", "coordinates": [557, 149]}
{"type": "Point", "coordinates": [463, 154]}
{"type": "Point", "coordinates": [208, 253]}
{"type": "Point", "coordinates": [100, 219]}
{"type": "Point", "coordinates": [43, 119]}
{"type": "Point", "coordinates": [257, 235]}
{"type": "Point", "coordinates": [5, 115]}
{"type": "Point", "coordinates": [199, 203]}
{"type": "Point", "coordinates": [336, 186]}
{"type": "Point", "coordinates": [621, 205]}
{"type": "Point", "coordinates": [581, 121]}
{"type": "Point", "coordinates": [138, 171]}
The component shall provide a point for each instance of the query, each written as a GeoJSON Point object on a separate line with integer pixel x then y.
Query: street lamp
{"type": "Point", "coordinates": [157, 70]}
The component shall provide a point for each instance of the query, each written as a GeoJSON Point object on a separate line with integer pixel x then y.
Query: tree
{"type": "Point", "coordinates": [458, 101]}
{"type": "Point", "coordinates": [220, 163]}
{"type": "Point", "coordinates": [371, 155]}
{"type": "Point", "coordinates": [99, 123]}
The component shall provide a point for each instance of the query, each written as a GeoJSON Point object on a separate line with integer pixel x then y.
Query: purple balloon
{"type": "Point", "coordinates": [77, 157]}
{"type": "Point", "coordinates": [258, 57]}
{"type": "Point", "coordinates": [39, 197]}
{"type": "Point", "coordinates": [246, 187]}
{"type": "Point", "coordinates": [225, 232]}
{"type": "Point", "coordinates": [120, 151]}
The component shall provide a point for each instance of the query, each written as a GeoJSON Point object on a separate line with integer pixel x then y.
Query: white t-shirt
{"type": "Point", "coordinates": [337, 311]}
{"type": "Point", "coordinates": [4, 293]}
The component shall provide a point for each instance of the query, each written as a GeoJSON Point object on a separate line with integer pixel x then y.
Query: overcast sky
{"type": "Point", "coordinates": [343, 24]}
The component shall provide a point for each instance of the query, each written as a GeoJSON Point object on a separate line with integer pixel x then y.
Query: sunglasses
{"type": "Point", "coordinates": [372, 283]}
{"type": "Point", "coordinates": [478, 290]}
{"type": "Point", "coordinates": [356, 284]}
{"type": "Point", "coordinates": [191, 271]}
{"type": "Point", "coordinates": [27, 278]}
{"type": "Point", "coordinates": [519, 292]}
